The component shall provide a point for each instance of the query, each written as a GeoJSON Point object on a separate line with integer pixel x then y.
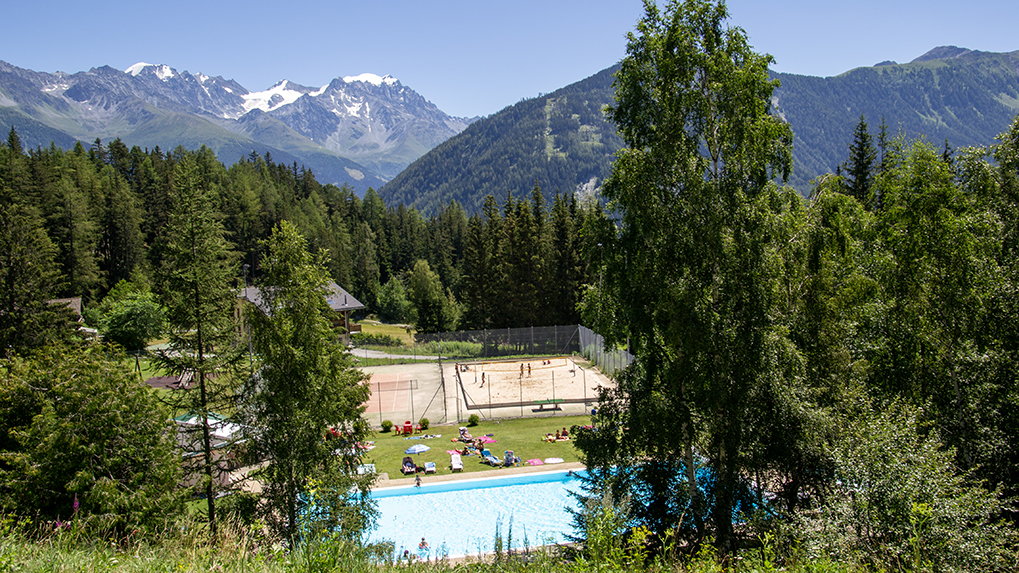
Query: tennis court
{"type": "Point", "coordinates": [390, 392]}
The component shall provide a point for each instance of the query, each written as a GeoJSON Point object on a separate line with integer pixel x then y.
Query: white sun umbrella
{"type": "Point", "coordinates": [417, 449]}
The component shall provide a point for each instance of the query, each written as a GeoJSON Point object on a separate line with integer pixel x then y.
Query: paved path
{"type": "Point", "coordinates": [365, 353]}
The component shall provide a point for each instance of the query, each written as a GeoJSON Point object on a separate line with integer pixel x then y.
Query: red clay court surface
{"type": "Point", "coordinates": [390, 392]}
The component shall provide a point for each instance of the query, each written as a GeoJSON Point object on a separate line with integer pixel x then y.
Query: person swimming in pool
{"type": "Point", "coordinates": [423, 549]}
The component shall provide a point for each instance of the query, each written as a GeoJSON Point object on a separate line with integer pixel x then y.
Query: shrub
{"type": "Point", "coordinates": [97, 442]}
{"type": "Point", "coordinates": [375, 339]}
{"type": "Point", "coordinates": [130, 315]}
{"type": "Point", "coordinates": [387, 425]}
{"type": "Point", "coordinates": [900, 500]}
{"type": "Point", "coordinates": [473, 420]}
{"type": "Point", "coordinates": [423, 422]}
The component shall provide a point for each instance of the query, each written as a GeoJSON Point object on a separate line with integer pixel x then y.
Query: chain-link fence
{"type": "Point", "coordinates": [608, 360]}
{"type": "Point", "coordinates": [531, 341]}
{"type": "Point", "coordinates": [494, 343]}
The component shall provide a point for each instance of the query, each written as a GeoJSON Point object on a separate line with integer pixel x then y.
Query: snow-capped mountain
{"type": "Point", "coordinates": [376, 121]}
{"type": "Point", "coordinates": [360, 130]}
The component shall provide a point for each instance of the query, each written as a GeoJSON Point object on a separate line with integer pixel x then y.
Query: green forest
{"type": "Point", "coordinates": [820, 383]}
{"type": "Point", "coordinates": [99, 217]}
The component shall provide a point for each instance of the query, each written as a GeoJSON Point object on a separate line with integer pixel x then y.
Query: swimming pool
{"type": "Point", "coordinates": [461, 517]}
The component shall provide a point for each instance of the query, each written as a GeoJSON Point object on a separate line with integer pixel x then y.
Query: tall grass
{"type": "Point", "coordinates": [239, 549]}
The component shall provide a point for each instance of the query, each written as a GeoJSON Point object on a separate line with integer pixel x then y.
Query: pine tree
{"type": "Point", "coordinates": [365, 273]}
{"type": "Point", "coordinates": [75, 233]}
{"type": "Point", "coordinates": [29, 275]}
{"type": "Point", "coordinates": [28, 279]}
{"type": "Point", "coordinates": [197, 275]}
{"type": "Point", "coordinates": [477, 262]}
{"type": "Point", "coordinates": [860, 169]}
{"type": "Point", "coordinates": [483, 268]}
{"type": "Point", "coordinates": [564, 273]}
{"type": "Point", "coordinates": [121, 244]}
{"type": "Point", "coordinates": [882, 145]}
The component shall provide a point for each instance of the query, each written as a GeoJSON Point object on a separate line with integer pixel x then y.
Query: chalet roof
{"type": "Point", "coordinates": [336, 297]}
{"type": "Point", "coordinates": [73, 303]}
{"type": "Point", "coordinates": [341, 300]}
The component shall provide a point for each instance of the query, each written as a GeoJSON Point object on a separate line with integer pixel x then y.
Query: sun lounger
{"type": "Point", "coordinates": [409, 466]}
{"type": "Point", "coordinates": [429, 467]}
{"type": "Point", "coordinates": [490, 459]}
{"type": "Point", "coordinates": [456, 463]}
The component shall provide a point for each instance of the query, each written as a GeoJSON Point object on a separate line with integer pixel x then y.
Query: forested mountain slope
{"type": "Point", "coordinates": [562, 142]}
{"type": "Point", "coordinates": [962, 96]}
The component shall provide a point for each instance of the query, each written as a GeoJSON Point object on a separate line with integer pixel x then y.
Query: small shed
{"type": "Point", "coordinates": [344, 304]}
{"type": "Point", "coordinates": [226, 438]}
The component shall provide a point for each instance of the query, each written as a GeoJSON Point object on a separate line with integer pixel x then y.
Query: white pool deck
{"type": "Point", "coordinates": [384, 481]}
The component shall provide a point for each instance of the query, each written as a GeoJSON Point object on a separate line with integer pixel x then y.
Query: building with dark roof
{"type": "Point", "coordinates": [339, 300]}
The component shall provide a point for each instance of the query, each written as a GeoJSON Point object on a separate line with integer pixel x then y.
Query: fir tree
{"type": "Point", "coordinates": [860, 169]}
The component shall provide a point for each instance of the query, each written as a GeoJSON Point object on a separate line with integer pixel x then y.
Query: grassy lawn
{"type": "Point", "coordinates": [148, 368]}
{"type": "Point", "coordinates": [523, 436]}
{"type": "Point", "coordinates": [396, 331]}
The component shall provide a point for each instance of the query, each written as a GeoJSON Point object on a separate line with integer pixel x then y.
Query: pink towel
{"type": "Point", "coordinates": [452, 451]}
{"type": "Point", "coordinates": [535, 462]}
{"type": "Point", "coordinates": [487, 440]}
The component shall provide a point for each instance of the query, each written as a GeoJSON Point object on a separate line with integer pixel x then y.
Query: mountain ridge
{"type": "Point", "coordinates": [371, 131]}
{"type": "Point", "coordinates": [354, 130]}
{"type": "Point", "coordinates": [966, 97]}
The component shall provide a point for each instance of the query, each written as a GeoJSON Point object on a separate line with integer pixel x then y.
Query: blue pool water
{"type": "Point", "coordinates": [460, 518]}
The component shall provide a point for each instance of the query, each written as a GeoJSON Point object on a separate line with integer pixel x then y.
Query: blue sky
{"type": "Point", "coordinates": [469, 58]}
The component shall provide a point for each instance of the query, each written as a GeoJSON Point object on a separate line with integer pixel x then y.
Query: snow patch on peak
{"type": "Point", "coordinates": [372, 79]}
{"type": "Point", "coordinates": [137, 68]}
{"type": "Point", "coordinates": [163, 72]}
{"type": "Point", "coordinates": [272, 98]}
